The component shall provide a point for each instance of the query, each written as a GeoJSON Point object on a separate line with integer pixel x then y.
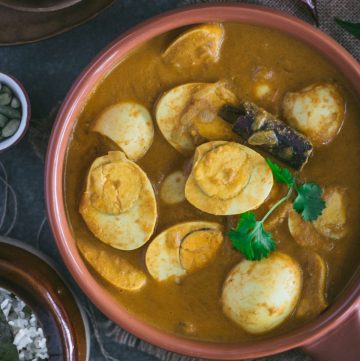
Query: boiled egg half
{"type": "Point", "coordinates": [187, 115]}
{"type": "Point", "coordinates": [119, 205]}
{"type": "Point", "coordinates": [183, 249]}
{"type": "Point", "coordinates": [228, 178]}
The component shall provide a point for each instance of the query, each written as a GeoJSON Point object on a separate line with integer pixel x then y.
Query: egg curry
{"type": "Point", "coordinates": [211, 182]}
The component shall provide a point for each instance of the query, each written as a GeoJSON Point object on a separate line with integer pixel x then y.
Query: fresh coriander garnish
{"type": "Point", "coordinates": [281, 175]}
{"type": "Point", "coordinates": [308, 202]}
{"type": "Point", "coordinates": [352, 28]}
{"type": "Point", "coordinates": [250, 237]}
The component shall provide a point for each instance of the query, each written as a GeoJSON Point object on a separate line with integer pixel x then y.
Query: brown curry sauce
{"type": "Point", "coordinates": [192, 307]}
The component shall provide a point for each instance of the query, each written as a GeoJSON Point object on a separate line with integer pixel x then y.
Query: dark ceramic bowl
{"type": "Point", "coordinates": [333, 335]}
{"type": "Point", "coordinates": [32, 277]}
{"type": "Point", "coordinates": [38, 5]}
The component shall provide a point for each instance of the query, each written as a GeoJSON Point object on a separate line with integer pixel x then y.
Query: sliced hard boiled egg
{"type": "Point", "coordinates": [260, 295]}
{"type": "Point", "coordinates": [305, 234]}
{"type": "Point", "coordinates": [114, 187]}
{"type": "Point", "coordinates": [313, 299]}
{"type": "Point", "coordinates": [228, 178]}
{"type": "Point", "coordinates": [197, 46]}
{"type": "Point", "coordinates": [187, 115]}
{"type": "Point", "coordinates": [129, 125]}
{"type": "Point", "coordinates": [112, 266]}
{"type": "Point", "coordinates": [316, 111]}
{"type": "Point", "coordinates": [167, 259]}
{"type": "Point", "coordinates": [118, 204]}
{"type": "Point", "coordinates": [332, 222]}
{"type": "Point", "coordinates": [172, 189]}
{"type": "Point", "coordinates": [199, 248]}
{"type": "Point", "coordinates": [330, 226]}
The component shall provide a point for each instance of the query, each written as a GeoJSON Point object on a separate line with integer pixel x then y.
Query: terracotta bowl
{"type": "Point", "coordinates": [344, 311]}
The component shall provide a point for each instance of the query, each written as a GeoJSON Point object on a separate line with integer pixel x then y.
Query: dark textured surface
{"type": "Point", "coordinates": [47, 70]}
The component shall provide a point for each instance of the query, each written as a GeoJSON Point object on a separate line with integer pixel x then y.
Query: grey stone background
{"type": "Point", "coordinates": [47, 69]}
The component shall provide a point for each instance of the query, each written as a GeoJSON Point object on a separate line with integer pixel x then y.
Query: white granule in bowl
{"type": "Point", "coordinates": [28, 335]}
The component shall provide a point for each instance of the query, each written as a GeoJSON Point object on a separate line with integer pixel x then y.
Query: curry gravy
{"type": "Point", "coordinates": [192, 307]}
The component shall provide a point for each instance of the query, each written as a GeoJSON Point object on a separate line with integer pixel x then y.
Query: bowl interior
{"type": "Point", "coordinates": [32, 277]}
{"type": "Point", "coordinates": [67, 116]}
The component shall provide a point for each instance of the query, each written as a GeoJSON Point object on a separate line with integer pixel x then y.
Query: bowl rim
{"type": "Point", "coordinates": [98, 68]}
{"type": "Point", "coordinates": [23, 97]}
{"type": "Point", "coordinates": [53, 6]}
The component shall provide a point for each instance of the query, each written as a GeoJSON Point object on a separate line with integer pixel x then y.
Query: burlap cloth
{"type": "Point", "coordinates": [110, 335]}
{"type": "Point", "coordinates": [327, 10]}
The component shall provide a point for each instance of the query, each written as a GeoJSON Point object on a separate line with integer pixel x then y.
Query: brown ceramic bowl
{"type": "Point", "coordinates": [345, 310]}
{"type": "Point", "coordinates": [33, 277]}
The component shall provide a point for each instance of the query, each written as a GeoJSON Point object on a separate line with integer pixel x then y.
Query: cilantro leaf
{"type": "Point", "coordinates": [239, 236]}
{"type": "Point", "coordinates": [281, 175]}
{"type": "Point", "coordinates": [309, 203]}
{"type": "Point", "coordinates": [250, 238]}
{"type": "Point", "coordinates": [352, 28]}
{"type": "Point", "coordinates": [263, 243]}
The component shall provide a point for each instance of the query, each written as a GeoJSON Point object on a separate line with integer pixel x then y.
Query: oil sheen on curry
{"type": "Point", "coordinates": [212, 180]}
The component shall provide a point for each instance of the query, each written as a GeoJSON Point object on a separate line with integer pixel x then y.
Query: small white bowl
{"type": "Point", "coordinates": [21, 94]}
